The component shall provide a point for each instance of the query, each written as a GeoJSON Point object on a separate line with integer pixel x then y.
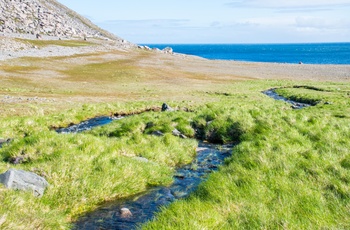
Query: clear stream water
{"type": "Point", "coordinates": [144, 206]}
{"type": "Point", "coordinates": [311, 53]}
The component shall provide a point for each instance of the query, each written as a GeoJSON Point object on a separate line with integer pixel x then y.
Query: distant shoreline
{"type": "Point", "coordinates": [285, 53]}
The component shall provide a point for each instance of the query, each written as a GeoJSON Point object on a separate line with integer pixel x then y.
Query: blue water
{"type": "Point", "coordinates": [322, 53]}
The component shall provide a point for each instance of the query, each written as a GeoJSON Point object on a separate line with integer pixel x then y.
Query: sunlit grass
{"type": "Point", "coordinates": [289, 169]}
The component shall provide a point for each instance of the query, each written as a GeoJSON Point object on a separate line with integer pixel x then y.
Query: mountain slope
{"type": "Point", "coordinates": [46, 18]}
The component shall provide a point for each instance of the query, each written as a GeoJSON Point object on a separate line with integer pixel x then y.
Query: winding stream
{"type": "Point", "coordinates": [295, 105]}
{"type": "Point", "coordinates": [145, 205]}
{"type": "Point", "coordinates": [142, 207]}
{"type": "Point", "coordinates": [131, 212]}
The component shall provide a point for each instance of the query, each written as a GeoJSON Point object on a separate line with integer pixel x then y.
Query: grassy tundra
{"type": "Point", "coordinates": [290, 168]}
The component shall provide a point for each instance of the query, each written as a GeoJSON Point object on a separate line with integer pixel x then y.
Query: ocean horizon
{"type": "Point", "coordinates": [306, 53]}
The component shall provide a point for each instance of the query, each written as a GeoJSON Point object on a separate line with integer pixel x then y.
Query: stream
{"type": "Point", "coordinates": [88, 124]}
{"type": "Point", "coordinates": [129, 213]}
{"type": "Point", "coordinates": [144, 206]}
{"type": "Point", "coordinates": [295, 105]}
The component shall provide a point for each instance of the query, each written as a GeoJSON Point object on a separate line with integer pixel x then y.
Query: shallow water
{"type": "Point", "coordinates": [295, 105]}
{"type": "Point", "coordinates": [88, 124]}
{"type": "Point", "coordinates": [144, 206]}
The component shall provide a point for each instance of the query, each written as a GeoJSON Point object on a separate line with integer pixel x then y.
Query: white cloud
{"type": "Point", "coordinates": [321, 23]}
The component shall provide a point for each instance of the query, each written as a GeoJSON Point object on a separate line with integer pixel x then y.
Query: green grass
{"type": "Point", "coordinates": [84, 169]}
{"type": "Point", "coordinates": [289, 169]}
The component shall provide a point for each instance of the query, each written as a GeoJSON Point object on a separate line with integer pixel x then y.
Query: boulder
{"type": "Point", "coordinates": [168, 50]}
{"type": "Point", "coordinates": [23, 180]}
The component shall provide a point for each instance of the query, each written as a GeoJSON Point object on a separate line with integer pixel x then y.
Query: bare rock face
{"type": "Point", "coordinates": [22, 180]}
{"type": "Point", "coordinates": [46, 17]}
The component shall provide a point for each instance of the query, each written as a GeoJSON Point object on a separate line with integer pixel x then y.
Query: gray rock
{"type": "Point", "coordinates": [125, 213]}
{"type": "Point", "coordinates": [158, 133]}
{"type": "Point", "coordinates": [23, 180]}
{"type": "Point", "coordinates": [166, 107]}
{"type": "Point", "coordinates": [48, 18]}
{"type": "Point", "coordinates": [168, 50]}
{"type": "Point", "coordinates": [183, 136]}
{"type": "Point", "coordinates": [176, 132]}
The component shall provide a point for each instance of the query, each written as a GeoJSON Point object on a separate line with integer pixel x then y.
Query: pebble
{"type": "Point", "coordinates": [125, 213]}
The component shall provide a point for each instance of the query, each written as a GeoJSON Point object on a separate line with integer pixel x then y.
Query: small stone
{"type": "Point", "coordinates": [125, 213]}
{"type": "Point", "coordinates": [166, 107]}
{"type": "Point", "coordinates": [176, 132]}
{"type": "Point", "coordinates": [158, 133]}
{"type": "Point", "coordinates": [16, 160]}
{"type": "Point", "coordinates": [183, 136]}
{"type": "Point", "coordinates": [180, 175]}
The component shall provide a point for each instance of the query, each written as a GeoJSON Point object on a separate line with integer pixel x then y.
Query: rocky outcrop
{"type": "Point", "coordinates": [39, 17]}
{"type": "Point", "coordinates": [22, 180]}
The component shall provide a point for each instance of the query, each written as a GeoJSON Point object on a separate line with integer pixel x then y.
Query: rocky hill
{"type": "Point", "coordinates": [46, 18]}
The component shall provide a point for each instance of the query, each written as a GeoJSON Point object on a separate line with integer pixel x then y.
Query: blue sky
{"type": "Point", "coordinates": [220, 21]}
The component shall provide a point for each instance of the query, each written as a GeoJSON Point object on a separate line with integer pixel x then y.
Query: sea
{"type": "Point", "coordinates": [308, 53]}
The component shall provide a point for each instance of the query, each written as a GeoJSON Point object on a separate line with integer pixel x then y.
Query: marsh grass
{"type": "Point", "coordinates": [86, 169]}
{"type": "Point", "coordinates": [289, 171]}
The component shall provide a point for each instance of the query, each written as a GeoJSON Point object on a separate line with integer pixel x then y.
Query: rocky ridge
{"type": "Point", "coordinates": [40, 18]}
